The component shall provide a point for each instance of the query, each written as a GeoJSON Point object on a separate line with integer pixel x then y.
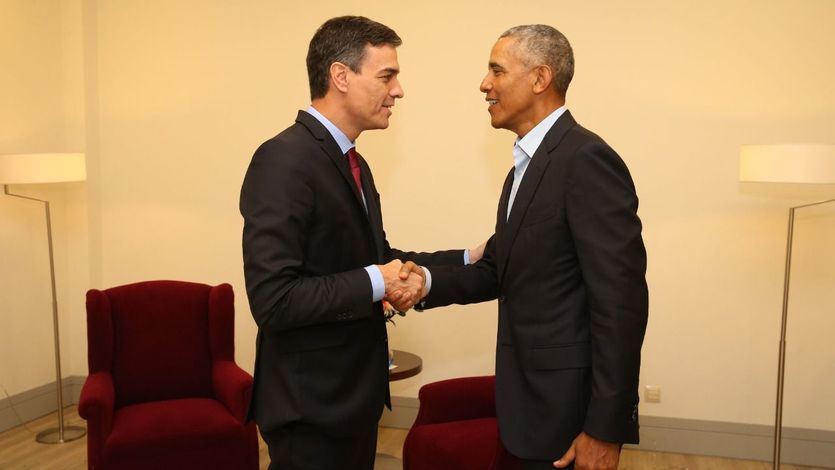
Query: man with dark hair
{"type": "Point", "coordinates": [317, 262]}
{"type": "Point", "coordinates": [567, 264]}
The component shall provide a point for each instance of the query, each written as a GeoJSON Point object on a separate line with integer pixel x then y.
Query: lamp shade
{"type": "Point", "coordinates": [787, 163]}
{"type": "Point", "coordinates": [42, 168]}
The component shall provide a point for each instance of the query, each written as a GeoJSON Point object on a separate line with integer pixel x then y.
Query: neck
{"type": "Point", "coordinates": [540, 109]}
{"type": "Point", "coordinates": [337, 115]}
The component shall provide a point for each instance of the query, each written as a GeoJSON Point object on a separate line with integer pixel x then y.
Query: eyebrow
{"type": "Point", "coordinates": [494, 66]}
{"type": "Point", "coordinates": [389, 70]}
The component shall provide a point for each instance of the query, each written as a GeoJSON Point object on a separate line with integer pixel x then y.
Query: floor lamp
{"type": "Point", "coordinates": [47, 168]}
{"type": "Point", "coordinates": [790, 163]}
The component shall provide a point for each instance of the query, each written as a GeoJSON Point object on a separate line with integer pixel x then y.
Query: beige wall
{"type": "Point", "coordinates": [41, 110]}
{"type": "Point", "coordinates": [179, 94]}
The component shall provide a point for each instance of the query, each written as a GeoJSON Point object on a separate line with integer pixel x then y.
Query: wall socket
{"type": "Point", "coordinates": [652, 394]}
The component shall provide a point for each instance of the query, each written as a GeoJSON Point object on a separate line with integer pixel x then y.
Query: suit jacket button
{"type": "Point", "coordinates": [502, 299]}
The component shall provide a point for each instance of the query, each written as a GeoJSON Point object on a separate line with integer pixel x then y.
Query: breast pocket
{"type": "Point", "coordinates": [538, 214]}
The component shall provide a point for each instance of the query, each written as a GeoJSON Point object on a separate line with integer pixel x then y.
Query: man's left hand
{"type": "Point", "coordinates": [589, 453]}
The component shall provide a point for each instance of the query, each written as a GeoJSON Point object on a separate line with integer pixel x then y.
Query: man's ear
{"type": "Point", "coordinates": [543, 76]}
{"type": "Point", "coordinates": [339, 76]}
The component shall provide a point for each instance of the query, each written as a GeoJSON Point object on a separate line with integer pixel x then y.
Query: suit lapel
{"type": "Point", "coordinates": [333, 151]}
{"type": "Point", "coordinates": [375, 215]}
{"type": "Point", "coordinates": [501, 216]}
{"type": "Point", "coordinates": [528, 186]}
{"type": "Point", "coordinates": [526, 191]}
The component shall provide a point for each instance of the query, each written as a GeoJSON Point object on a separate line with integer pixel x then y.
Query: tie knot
{"type": "Point", "coordinates": [353, 158]}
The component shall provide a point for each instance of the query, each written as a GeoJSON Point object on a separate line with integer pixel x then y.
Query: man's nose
{"type": "Point", "coordinates": [397, 90]}
{"type": "Point", "coordinates": [486, 85]}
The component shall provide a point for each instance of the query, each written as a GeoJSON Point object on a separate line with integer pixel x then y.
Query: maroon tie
{"type": "Point", "coordinates": [354, 163]}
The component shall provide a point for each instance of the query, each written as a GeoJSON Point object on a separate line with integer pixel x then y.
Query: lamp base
{"type": "Point", "coordinates": [50, 436]}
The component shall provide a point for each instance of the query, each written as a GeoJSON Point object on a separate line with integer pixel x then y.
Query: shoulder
{"type": "Point", "coordinates": [284, 160]}
{"type": "Point", "coordinates": [587, 152]}
{"type": "Point", "coordinates": [293, 140]}
{"type": "Point", "coordinates": [583, 141]}
{"type": "Point", "coordinates": [291, 147]}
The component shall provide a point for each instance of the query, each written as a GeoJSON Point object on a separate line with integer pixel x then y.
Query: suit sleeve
{"type": "Point", "coordinates": [277, 204]}
{"type": "Point", "coordinates": [468, 284]}
{"type": "Point", "coordinates": [602, 215]}
{"type": "Point", "coordinates": [444, 257]}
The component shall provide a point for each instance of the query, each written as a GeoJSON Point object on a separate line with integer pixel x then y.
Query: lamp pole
{"type": "Point", "coordinates": [62, 433]}
{"type": "Point", "coordinates": [781, 364]}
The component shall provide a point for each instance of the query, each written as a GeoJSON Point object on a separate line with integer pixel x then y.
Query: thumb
{"type": "Point", "coordinates": [566, 459]}
{"type": "Point", "coordinates": [407, 268]}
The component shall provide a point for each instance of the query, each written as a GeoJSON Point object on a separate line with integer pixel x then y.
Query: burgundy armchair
{"type": "Point", "coordinates": [163, 389]}
{"type": "Point", "coordinates": [456, 428]}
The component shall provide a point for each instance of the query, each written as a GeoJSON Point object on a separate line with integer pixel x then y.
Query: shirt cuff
{"type": "Point", "coordinates": [466, 257]}
{"type": "Point", "coordinates": [428, 286]}
{"type": "Point", "coordinates": [378, 285]}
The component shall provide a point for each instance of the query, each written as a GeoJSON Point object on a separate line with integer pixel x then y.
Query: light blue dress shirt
{"type": "Point", "coordinates": [524, 149]}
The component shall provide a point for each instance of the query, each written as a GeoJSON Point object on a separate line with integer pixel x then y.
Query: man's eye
{"type": "Point", "coordinates": [386, 78]}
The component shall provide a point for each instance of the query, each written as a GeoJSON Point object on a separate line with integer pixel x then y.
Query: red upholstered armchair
{"type": "Point", "coordinates": [164, 391]}
{"type": "Point", "coordinates": [456, 428]}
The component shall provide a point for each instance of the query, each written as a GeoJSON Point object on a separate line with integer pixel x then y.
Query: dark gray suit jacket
{"type": "Point", "coordinates": [568, 269]}
{"type": "Point", "coordinates": [322, 355]}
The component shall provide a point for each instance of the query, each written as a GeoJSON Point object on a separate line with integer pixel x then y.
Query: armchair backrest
{"type": "Point", "coordinates": [158, 338]}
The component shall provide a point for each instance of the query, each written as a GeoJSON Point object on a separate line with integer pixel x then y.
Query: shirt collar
{"type": "Point", "coordinates": [533, 139]}
{"type": "Point", "coordinates": [341, 139]}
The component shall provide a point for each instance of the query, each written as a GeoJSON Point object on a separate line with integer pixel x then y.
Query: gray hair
{"type": "Point", "coordinates": [541, 44]}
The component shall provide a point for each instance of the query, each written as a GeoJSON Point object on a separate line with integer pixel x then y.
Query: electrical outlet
{"type": "Point", "coordinates": [652, 394]}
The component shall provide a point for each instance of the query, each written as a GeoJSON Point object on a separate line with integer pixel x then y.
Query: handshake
{"type": "Point", "coordinates": [405, 283]}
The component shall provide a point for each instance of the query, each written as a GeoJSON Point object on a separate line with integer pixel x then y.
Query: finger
{"type": "Point", "coordinates": [566, 459]}
{"type": "Point", "coordinates": [407, 268]}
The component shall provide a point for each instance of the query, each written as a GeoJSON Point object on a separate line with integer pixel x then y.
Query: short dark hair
{"type": "Point", "coordinates": [543, 45]}
{"type": "Point", "coordinates": [343, 39]}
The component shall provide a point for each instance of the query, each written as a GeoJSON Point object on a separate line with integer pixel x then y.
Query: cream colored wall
{"type": "Point", "coordinates": [179, 94]}
{"type": "Point", "coordinates": [41, 110]}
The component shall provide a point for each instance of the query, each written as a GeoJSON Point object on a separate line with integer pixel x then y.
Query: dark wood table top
{"type": "Point", "coordinates": [408, 365]}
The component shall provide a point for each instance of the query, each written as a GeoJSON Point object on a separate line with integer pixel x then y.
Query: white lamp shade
{"type": "Point", "coordinates": [42, 168]}
{"type": "Point", "coordinates": [787, 163]}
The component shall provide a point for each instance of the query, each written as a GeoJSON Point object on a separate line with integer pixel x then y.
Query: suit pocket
{"type": "Point", "coordinates": [532, 221]}
{"type": "Point", "coordinates": [312, 339]}
{"type": "Point", "coordinates": [560, 356]}
{"type": "Point", "coordinates": [540, 212]}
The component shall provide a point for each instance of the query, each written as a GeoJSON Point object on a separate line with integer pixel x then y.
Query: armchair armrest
{"type": "Point", "coordinates": [97, 400]}
{"type": "Point", "coordinates": [96, 405]}
{"type": "Point", "coordinates": [233, 388]}
{"type": "Point", "coordinates": [456, 400]}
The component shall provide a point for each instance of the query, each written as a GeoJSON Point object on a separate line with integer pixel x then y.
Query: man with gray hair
{"type": "Point", "coordinates": [567, 264]}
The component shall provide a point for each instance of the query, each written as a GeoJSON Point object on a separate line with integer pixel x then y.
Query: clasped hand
{"type": "Point", "coordinates": [405, 283]}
